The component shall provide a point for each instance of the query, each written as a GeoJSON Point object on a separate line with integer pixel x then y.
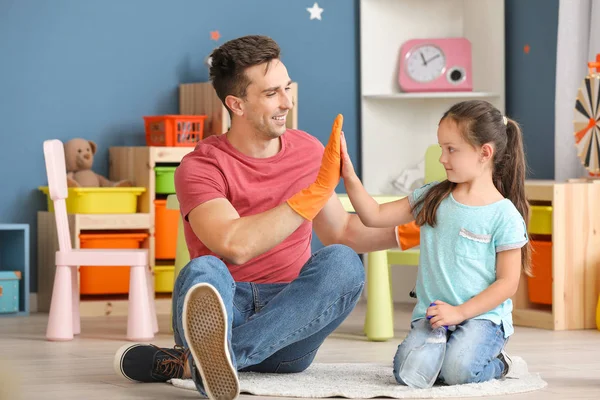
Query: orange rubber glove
{"type": "Point", "coordinates": [408, 235]}
{"type": "Point", "coordinates": [309, 201]}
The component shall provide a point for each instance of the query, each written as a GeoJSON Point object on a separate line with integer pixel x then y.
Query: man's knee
{"type": "Point", "coordinates": [298, 365]}
{"type": "Point", "coordinates": [343, 267]}
{"type": "Point", "coordinates": [206, 261]}
{"type": "Point", "coordinates": [205, 265]}
{"type": "Point", "coordinates": [205, 269]}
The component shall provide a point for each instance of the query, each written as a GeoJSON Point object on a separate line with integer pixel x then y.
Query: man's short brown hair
{"type": "Point", "coordinates": [229, 63]}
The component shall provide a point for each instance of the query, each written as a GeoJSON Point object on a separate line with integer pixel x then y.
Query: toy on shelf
{"type": "Point", "coordinates": [79, 157]}
{"type": "Point", "coordinates": [91, 193]}
{"type": "Point", "coordinates": [587, 119]}
{"type": "Point", "coordinates": [174, 130]}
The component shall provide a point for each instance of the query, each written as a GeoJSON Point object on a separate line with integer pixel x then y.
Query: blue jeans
{"type": "Point", "coordinates": [471, 351]}
{"type": "Point", "coordinates": [278, 327]}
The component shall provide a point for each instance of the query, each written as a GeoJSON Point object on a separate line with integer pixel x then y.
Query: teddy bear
{"type": "Point", "coordinates": [79, 157]}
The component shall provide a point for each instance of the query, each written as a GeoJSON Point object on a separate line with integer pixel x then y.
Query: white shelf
{"type": "Point", "coordinates": [431, 95]}
{"type": "Point", "coordinates": [169, 154]}
{"type": "Point", "coordinates": [397, 127]}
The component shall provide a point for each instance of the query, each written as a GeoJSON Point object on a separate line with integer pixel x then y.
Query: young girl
{"type": "Point", "coordinates": [474, 240]}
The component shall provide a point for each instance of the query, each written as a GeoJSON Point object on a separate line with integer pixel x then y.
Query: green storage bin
{"type": "Point", "coordinates": [165, 179]}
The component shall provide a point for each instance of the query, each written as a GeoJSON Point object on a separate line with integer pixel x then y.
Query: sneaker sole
{"type": "Point", "coordinates": [205, 329]}
{"type": "Point", "coordinates": [118, 360]}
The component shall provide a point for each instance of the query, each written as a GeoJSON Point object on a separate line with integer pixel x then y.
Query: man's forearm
{"type": "Point", "coordinates": [363, 239]}
{"type": "Point", "coordinates": [254, 235]}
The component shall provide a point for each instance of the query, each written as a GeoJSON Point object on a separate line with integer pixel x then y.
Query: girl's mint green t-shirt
{"type": "Point", "coordinates": [458, 256]}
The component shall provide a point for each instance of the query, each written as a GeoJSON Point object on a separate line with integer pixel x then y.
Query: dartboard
{"type": "Point", "coordinates": [587, 120]}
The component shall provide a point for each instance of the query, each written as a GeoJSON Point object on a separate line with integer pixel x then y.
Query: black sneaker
{"type": "Point", "coordinates": [507, 361]}
{"type": "Point", "coordinates": [149, 363]}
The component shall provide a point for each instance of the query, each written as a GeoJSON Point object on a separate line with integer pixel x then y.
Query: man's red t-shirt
{"type": "Point", "coordinates": [215, 169]}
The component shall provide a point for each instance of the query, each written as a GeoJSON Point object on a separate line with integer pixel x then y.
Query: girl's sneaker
{"type": "Point", "coordinates": [507, 361]}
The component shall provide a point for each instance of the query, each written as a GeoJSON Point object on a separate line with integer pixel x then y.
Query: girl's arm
{"type": "Point", "coordinates": [371, 213]}
{"type": "Point", "coordinates": [508, 274]}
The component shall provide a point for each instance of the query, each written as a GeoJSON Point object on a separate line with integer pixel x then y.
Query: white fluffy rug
{"type": "Point", "coordinates": [371, 380]}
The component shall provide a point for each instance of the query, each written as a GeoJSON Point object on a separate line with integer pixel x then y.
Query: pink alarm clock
{"type": "Point", "coordinates": [435, 65]}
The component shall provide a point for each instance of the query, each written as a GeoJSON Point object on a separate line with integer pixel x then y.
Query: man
{"type": "Point", "coordinates": [253, 298]}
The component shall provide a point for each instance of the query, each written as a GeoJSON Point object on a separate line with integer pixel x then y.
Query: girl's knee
{"type": "Point", "coordinates": [457, 374]}
{"type": "Point", "coordinates": [459, 370]}
{"type": "Point", "coordinates": [399, 358]}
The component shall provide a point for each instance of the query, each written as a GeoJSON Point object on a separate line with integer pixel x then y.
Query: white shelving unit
{"type": "Point", "coordinates": [397, 127]}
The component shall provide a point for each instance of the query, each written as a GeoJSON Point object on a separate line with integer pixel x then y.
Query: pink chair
{"type": "Point", "coordinates": [64, 320]}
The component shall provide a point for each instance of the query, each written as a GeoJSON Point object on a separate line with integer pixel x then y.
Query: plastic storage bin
{"type": "Point", "coordinates": [598, 314]}
{"type": "Point", "coordinates": [9, 291]}
{"type": "Point", "coordinates": [540, 285]}
{"type": "Point", "coordinates": [108, 200]}
{"type": "Point", "coordinates": [165, 224]}
{"type": "Point", "coordinates": [174, 130]}
{"type": "Point", "coordinates": [107, 280]}
{"type": "Point", "coordinates": [540, 221]}
{"type": "Point", "coordinates": [165, 179]}
{"type": "Point", "coordinates": [164, 278]}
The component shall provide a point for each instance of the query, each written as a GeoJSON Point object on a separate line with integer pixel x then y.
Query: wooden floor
{"type": "Point", "coordinates": [32, 368]}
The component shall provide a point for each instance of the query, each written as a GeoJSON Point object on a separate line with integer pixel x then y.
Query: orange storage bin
{"type": "Point", "coordinates": [165, 224]}
{"type": "Point", "coordinates": [540, 285]}
{"type": "Point", "coordinates": [107, 280]}
{"type": "Point", "coordinates": [174, 130]}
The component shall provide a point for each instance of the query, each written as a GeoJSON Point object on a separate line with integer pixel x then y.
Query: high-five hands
{"type": "Point", "coordinates": [347, 167]}
{"type": "Point", "coordinates": [309, 201]}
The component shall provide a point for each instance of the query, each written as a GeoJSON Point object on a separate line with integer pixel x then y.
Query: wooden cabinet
{"type": "Point", "coordinates": [575, 260]}
{"type": "Point", "coordinates": [137, 165]}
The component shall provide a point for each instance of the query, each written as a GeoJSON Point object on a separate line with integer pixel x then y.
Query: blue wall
{"type": "Point", "coordinates": [530, 78]}
{"type": "Point", "coordinates": [92, 69]}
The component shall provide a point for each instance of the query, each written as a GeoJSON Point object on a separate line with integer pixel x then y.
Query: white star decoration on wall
{"type": "Point", "coordinates": [315, 11]}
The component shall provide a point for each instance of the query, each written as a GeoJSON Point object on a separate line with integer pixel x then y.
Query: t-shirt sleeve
{"type": "Point", "coordinates": [198, 179]}
{"type": "Point", "coordinates": [419, 193]}
{"type": "Point", "coordinates": [511, 233]}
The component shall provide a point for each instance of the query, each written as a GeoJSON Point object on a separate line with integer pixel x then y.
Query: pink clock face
{"type": "Point", "coordinates": [425, 63]}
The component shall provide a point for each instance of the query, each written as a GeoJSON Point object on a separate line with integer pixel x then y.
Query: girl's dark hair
{"type": "Point", "coordinates": [479, 123]}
